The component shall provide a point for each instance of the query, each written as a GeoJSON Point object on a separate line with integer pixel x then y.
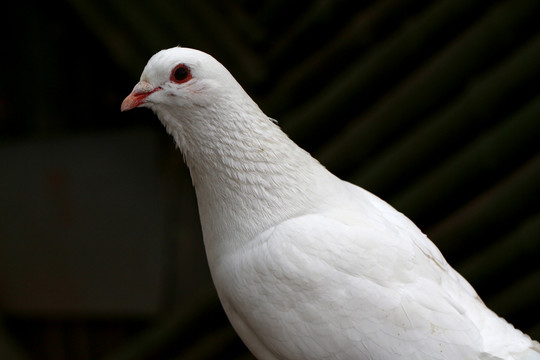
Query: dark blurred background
{"type": "Point", "coordinates": [432, 105]}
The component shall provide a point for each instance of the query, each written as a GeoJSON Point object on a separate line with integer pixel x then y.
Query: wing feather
{"type": "Point", "coordinates": [351, 280]}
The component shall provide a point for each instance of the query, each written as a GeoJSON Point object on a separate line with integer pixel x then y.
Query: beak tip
{"type": "Point", "coordinates": [125, 106]}
{"type": "Point", "coordinates": [131, 102]}
{"type": "Point", "coordinates": [138, 96]}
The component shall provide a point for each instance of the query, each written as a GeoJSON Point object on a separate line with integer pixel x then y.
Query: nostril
{"type": "Point", "coordinates": [144, 87]}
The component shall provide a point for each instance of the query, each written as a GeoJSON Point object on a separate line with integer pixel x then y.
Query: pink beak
{"type": "Point", "coordinates": [138, 95]}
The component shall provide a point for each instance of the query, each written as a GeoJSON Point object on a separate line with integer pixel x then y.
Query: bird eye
{"type": "Point", "coordinates": [180, 74]}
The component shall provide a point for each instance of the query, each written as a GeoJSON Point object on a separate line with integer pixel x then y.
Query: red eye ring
{"type": "Point", "coordinates": [180, 74]}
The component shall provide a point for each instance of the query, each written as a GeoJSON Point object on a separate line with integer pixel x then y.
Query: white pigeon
{"type": "Point", "coordinates": [308, 266]}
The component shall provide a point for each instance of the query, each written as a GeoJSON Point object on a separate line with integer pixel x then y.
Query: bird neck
{"type": "Point", "coordinates": [248, 176]}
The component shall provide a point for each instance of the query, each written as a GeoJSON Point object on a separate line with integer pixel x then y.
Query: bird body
{"type": "Point", "coordinates": [306, 265]}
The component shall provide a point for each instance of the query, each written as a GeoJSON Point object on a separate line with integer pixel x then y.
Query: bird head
{"type": "Point", "coordinates": [198, 101]}
{"type": "Point", "coordinates": [180, 78]}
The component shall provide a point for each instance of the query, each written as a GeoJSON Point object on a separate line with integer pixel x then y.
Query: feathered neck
{"type": "Point", "coordinates": [248, 175]}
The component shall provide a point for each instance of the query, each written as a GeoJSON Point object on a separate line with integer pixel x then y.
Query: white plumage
{"type": "Point", "coordinates": [308, 266]}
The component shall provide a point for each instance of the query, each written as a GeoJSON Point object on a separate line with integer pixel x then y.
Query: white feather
{"type": "Point", "coordinates": [308, 266]}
